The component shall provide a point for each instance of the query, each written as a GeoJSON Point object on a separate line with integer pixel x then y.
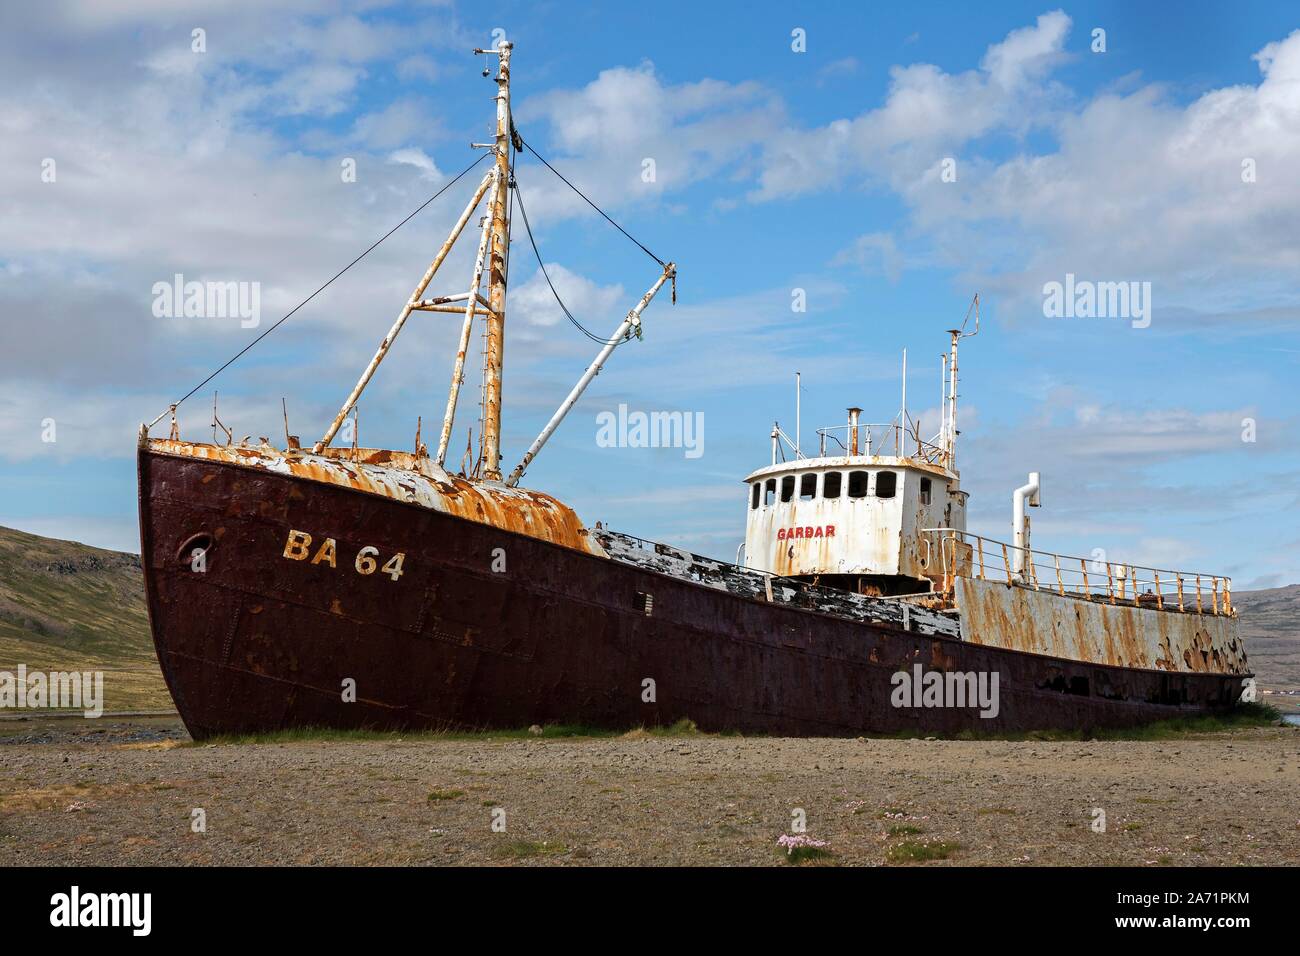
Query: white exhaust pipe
{"type": "Point", "coordinates": [1020, 521]}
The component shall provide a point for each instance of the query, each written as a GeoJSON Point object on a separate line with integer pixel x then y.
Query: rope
{"type": "Point", "coordinates": [528, 146]}
{"type": "Point", "coordinates": [537, 252]}
{"type": "Point", "coordinates": [372, 247]}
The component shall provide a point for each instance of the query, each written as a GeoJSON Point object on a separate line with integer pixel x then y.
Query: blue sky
{"type": "Point", "coordinates": [776, 170]}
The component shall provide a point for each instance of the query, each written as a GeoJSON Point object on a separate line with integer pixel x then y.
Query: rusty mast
{"type": "Point", "coordinates": [491, 258]}
{"type": "Point", "coordinates": [494, 343]}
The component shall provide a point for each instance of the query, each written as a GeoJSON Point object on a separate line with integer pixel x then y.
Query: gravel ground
{"type": "Point", "coordinates": [124, 792]}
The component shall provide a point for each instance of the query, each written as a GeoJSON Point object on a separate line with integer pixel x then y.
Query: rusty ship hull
{"type": "Point", "coordinates": [491, 627]}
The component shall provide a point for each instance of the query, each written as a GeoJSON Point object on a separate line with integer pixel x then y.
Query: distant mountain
{"type": "Point", "coordinates": [70, 607]}
{"type": "Point", "coordinates": [66, 606]}
{"type": "Point", "coordinates": [1270, 624]}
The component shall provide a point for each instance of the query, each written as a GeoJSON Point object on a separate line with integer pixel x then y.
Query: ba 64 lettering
{"type": "Point", "coordinates": [298, 547]}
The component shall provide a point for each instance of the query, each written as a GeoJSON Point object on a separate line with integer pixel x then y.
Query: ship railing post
{"type": "Point", "coordinates": [1060, 585]}
{"type": "Point", "coordinates": [1133, 577]}
{"type": "Point", "coordinates": [980, 543]}
{"type": "Point", "coordinates": [1006, 563]}
{"type": "Point", "coordinates": [1227, 596]}
{"type": "Point", "coordinates": [1160, 600]}
{"type": "Point", "coordinates": [1199, 609]}
{"type": "Point", "coordinates": [1214, 594]}
{"type": "Point", "coordinates": [1087, 588]}
{"type": "Point", "coordinates": [952, 568]}
{"type": "Point", "coordinates": [1179, 579]}
{"type": "Point", "coordinates": [1110, 582]}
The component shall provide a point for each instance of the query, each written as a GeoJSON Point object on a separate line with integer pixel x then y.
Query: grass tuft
{"type": "Point", "coordinates": [915, 851]}
{"type": "Point", "coordinates": [904, 829]}
{"type": "Point", "coordinates": [807, 854]}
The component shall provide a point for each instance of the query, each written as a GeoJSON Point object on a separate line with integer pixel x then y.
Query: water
{"type": "Point", "coordinates": [1291, 719]}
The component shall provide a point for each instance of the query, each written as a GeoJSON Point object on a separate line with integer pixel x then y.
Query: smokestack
{"type": "Point", "coordinates": [853, 430]}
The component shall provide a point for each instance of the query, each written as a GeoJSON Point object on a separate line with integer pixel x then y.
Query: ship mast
{"type": "Point", "coordinates": [492, 256]}
{"type": "Point", "coordinates": [494, 344]}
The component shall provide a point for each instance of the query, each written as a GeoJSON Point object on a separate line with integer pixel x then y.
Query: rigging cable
{"type": "Point", "coordinates": [537, 252]}
{"type": "Point", "coordinates": [372, 247]}
{"type": "Point", "coordinates": [528, 146]}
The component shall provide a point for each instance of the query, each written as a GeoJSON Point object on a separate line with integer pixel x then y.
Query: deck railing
{"type": "Point", "coordinates": [889, 438]}
{"type": "Point", "coordinates": [970, 555]}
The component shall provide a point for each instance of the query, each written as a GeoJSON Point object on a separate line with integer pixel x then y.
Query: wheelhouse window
{"type": "Point", "coordinates": [808, 487]}
{"type": "Point", "coordinates": [886, 484]}
{"type": "Point", "coordinates": [769, 498]}
{"type": "Point", "coordinates": [925, 491]}
{"type": "Point", "coordinates": [787, 488]}
{"type": "Point", "coordinates": [858, 483]}
{"type": "Point", "coordinates": [831, 484]}
{"type": "Point", "coordinates": [756, 496]}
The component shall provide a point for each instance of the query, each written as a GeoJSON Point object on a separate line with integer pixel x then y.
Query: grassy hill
{"type": "Point", "coordinates": [1270, 624]}
{"type": "Point", "coordinates": [66, 606]}
{"type": "Point", "coordinates": [70, 607]}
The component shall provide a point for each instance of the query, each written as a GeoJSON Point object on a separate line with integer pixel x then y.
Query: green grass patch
{"type": "Point", "coordinates": [904, 829]}
{"type": "Point", "coordinates": [806, 854]}
{"type": "Point", "coordinates": [682, 728]}
{"type": "Point", "coordinates": [915, 851]}
{"type": "Point", "coordinates": [527, 849]}
{"type": "Point", "coordinates": [1242, 716]}
{"type": "Point", "coordinates": [436, 795]}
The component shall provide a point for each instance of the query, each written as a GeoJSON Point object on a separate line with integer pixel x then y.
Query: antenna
{"type": "Point", "coordinates": [957, 336]}
{"type": "Point", "coordinates": [798, 417]}
{"type": "Point", "coordinates": [902, 415]}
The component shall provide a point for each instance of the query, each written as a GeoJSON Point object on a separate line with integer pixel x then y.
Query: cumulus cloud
{"type": "Point", "coordinates": [1195, 197]}
{"type": "Point", "coordinates": [593, 305]}
{"type": "Point", "coordinates": [630, 137]}
{"type": "Point", "coordinates": [927, 114]}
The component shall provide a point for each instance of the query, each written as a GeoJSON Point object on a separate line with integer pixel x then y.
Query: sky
{"type": "Point", "coordinates": [880, 164]}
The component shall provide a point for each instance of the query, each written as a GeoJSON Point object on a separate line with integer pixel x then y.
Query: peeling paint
{"type": "Point", "coordinates": [1041, 622]}
{"type": "Point", "coordinates": [403, 476]}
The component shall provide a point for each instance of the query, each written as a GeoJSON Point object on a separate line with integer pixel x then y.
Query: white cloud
{"type": "Point", "coordinates": [595, 306]}
{"type": "Point", "coordinates": [607, 130]}
{"type": "Point", "coordinates": [926, 115]}
{"type": "Point", "coordinates": [875, 253]}
{"type": "Point", "coordinates": [417, 158]}
{"type": "Point", "coordinates": [1137, 186]}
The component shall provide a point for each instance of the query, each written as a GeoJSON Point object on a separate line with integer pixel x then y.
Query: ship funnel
{"type": "Point", "coordinates": [853, 430]}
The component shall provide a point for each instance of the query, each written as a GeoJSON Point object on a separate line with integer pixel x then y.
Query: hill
{"type": "Point", "coordinates": [71, 607]}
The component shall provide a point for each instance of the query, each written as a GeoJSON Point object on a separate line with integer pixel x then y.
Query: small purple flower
{"type": "Point", "coordinates": [799, 842]}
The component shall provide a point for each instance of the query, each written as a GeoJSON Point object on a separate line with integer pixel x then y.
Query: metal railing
{"type": "Point", "coordinates": [970, 555]}
{"type": "Point", "coordinates": [887, 438]}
